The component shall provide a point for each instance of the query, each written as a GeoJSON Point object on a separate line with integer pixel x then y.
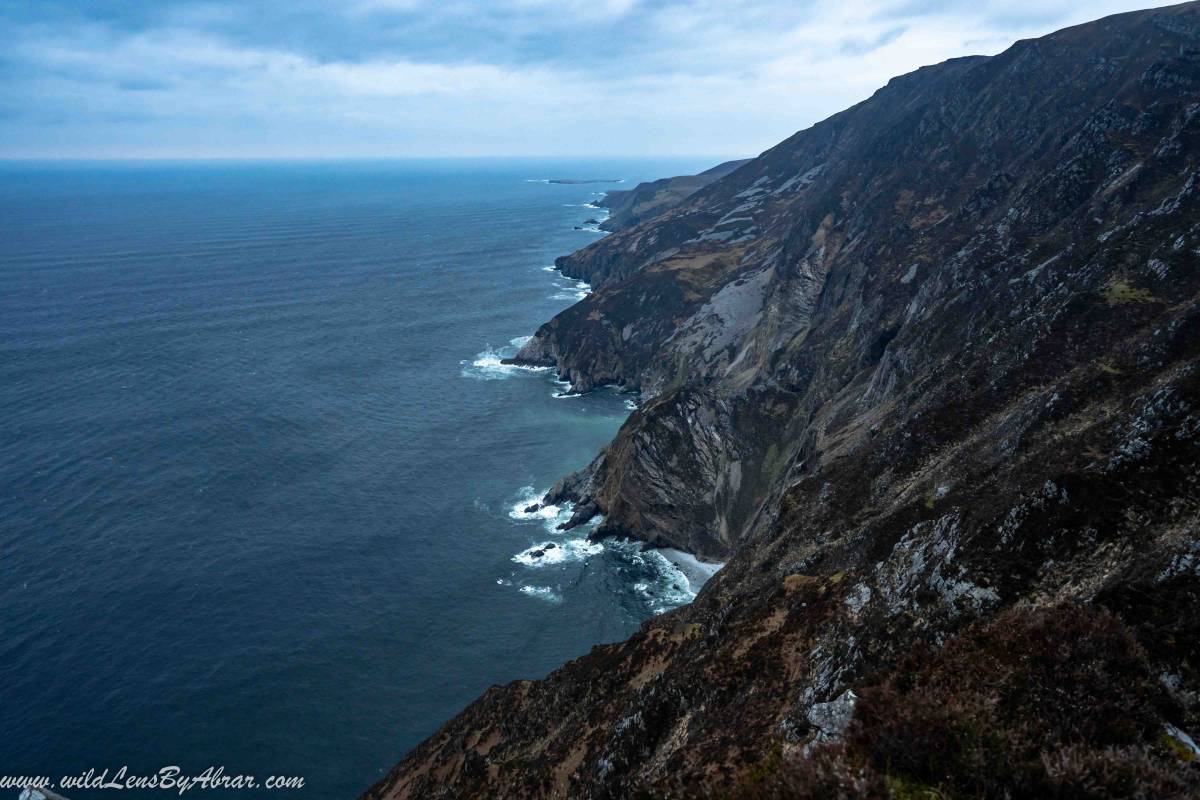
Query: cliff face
{"type": "Point", "coordinates": [628, 207]}
{"type": "Point", "coordinates": [933, 360]}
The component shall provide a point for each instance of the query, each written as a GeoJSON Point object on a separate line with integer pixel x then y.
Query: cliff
{"type": "Point", "coordinates": [926, 375]}
{"type": "Point", "coordinates": [628, 207]}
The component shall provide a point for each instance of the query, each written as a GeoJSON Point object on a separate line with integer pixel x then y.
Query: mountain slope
{"type": "Point", "coordinates": [628, 207]}
{"type": "Point", "coordinates": [928, 363]}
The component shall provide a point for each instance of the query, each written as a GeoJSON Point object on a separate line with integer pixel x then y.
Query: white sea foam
{"type": "Point", "coordinates": [696, 571]}
{"type": "Point", "coordinates": [564, 390]}
{"type": "Point", "coordinates": [571, 289]}
{"type": "Point", "coordinates": [550, 515]}
{"type": "Point", "coordinates": [542, 593]}
{"type": "Point", "coordinates": [663, 583]}
{"type": "Point", "coordinates": [661, 579]}
{"type": "Point", "coordinates": [550, 268]}
{"type": "Point", "coordinates": [563, 552]}
{"type": "Point", "coordinates": [489, 365]}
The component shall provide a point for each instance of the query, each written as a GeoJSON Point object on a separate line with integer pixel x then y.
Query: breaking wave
{"type": "Point", "coordinates": [542, 593]}
{"type": "Point", "coordinates": [550, 515]}
{"type": "Point", "coordinates": [489, 365]}
{"type": "Point", "coordinates": [564, 552]}
{"type": "Point", "coordinates": [657, 580]}
{"type": "Point", "coordinates": [571, 289]}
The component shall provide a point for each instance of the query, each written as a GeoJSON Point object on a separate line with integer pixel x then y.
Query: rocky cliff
{"type": "Point", "coordinates": [927, 375]}
{"type": "Point", "coordinates": [628, 207]}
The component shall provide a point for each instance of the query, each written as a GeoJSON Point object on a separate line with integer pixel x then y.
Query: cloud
{"type": "Point", "coordinates": [460, 77]}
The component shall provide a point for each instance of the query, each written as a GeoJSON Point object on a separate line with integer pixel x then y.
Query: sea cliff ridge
{"type": "Point", "coordinates": [926, 375]}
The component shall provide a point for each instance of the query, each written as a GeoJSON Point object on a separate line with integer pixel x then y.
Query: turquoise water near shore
{"type": "Point", "coordinates": [262, 476]}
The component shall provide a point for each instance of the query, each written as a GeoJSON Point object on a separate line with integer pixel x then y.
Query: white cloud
{"type": "Point", "coordinates": [704, 77]}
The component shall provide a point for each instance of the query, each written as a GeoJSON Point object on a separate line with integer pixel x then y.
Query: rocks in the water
{"type": "Point", "coordinates": [532, 508]}
{"type": "Point", "coordinates": [584, 511]}
{"type": "Point", "coordinates": [541, 551]}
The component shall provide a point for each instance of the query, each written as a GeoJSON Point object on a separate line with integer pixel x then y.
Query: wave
{"type": "Point", "coordinates": [572, 289]}
{"type": "Point", "coordinates": [489, 365]}
{"type": "Point", "coordinates": [564, 390]}
{"type": "Point", "coordinates": [529, 508]}
{"type": "Point", "coordinates": [549, 553]}
{"type": "Point", "coordinates": [542, 593]}
{"type": "Point", "coordinates": [657, 582]}
{"type": "Point", "coordinates": [551, 515]}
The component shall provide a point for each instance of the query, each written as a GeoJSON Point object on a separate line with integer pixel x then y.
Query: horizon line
{"type": "Point", "coordinates": [497, 157]}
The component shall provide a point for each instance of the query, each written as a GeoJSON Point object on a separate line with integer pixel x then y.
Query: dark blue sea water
{"type": "Point", "coordinates": [259, 464]}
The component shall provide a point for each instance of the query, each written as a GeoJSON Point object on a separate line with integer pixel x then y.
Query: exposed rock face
{"type": "Point", "coordinates": [934, 359]}
{"type": "Point", "coordinates": [628, 207]}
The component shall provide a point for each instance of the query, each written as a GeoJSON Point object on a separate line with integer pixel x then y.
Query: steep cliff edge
{"type": "Point", "coordinates": [932, 362]}
{"type": "Point", "coordinates": [628, 207]}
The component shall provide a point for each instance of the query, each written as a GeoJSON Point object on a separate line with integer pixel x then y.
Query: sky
{"type": "Point", "coordinates": [437, 78]}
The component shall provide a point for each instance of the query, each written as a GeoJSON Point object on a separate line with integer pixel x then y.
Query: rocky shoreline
{"type": "Point", "coordinates": [926, 377]}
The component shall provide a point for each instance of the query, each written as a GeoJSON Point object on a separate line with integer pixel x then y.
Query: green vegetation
{"type": "Point", "coordinates": [767, 766]}
{"type": "Point", "coordinates": [901, 789]}
{"type": "Point", "coordinates": [1121, 292]}
{"type": "Point", "coordinates": [1173, 745]}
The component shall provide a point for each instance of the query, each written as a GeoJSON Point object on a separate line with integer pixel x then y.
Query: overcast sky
{"type": "Point", "coordinates": [299, 78]}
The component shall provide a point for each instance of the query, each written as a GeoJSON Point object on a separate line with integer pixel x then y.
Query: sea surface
{"type": "Point", "coordinates": [262, 475]}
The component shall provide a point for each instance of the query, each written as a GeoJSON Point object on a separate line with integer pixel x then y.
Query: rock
{"type": "Point", "coordinates": [532, 508]}
{"type": "Point", "coordinates": [584, 511]}
{"type": "Point", "coordinates": [831, 719]}
{"type": "Point", "coordinates": [647, 200]}
{"type": "Point", "coordinates": [929, 365]}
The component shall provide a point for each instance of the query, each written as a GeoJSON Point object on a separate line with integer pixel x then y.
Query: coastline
{"type": "Point", "coordinates": [570, 530]}
{"type": "Point", "coordinates": [696, 571]}
{"type": "Point", "coordinates": [935, 402]}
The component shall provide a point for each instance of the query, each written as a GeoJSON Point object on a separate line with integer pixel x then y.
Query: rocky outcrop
{"type": "Point", "coordinates": [628, 207]}
{"type": "Point", "coordinates": [933, 360]}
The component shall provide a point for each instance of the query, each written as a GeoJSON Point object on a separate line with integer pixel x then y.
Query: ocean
{"type": "Point", "coordinates": [262, 475]}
